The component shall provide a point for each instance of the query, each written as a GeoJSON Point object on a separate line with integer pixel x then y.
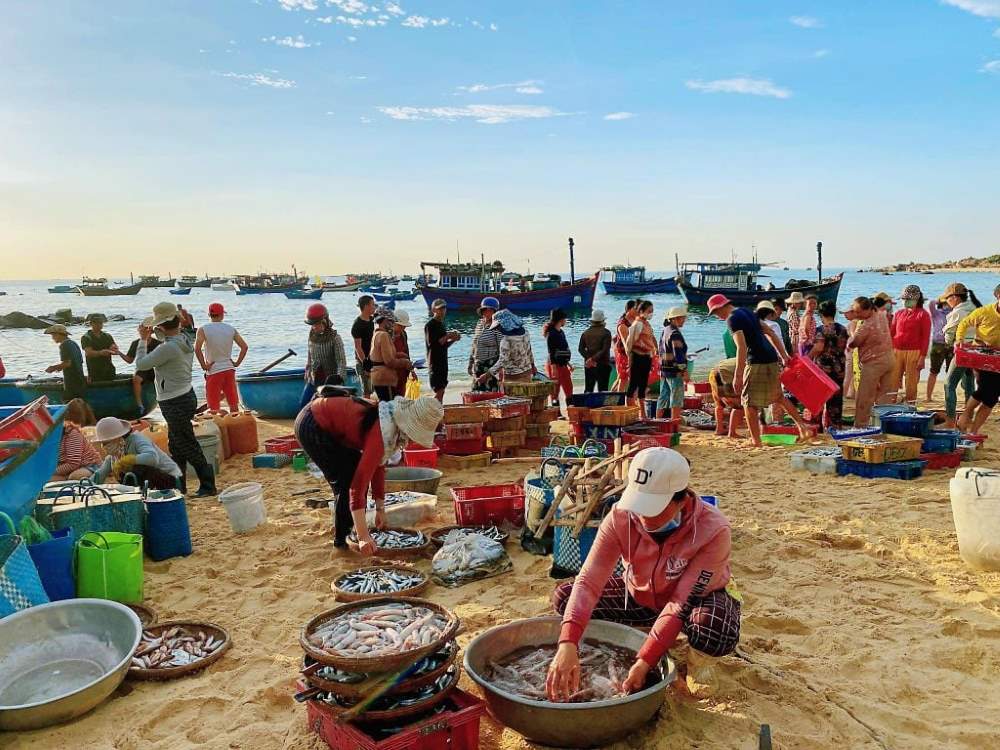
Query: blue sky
{"type": "Point", "coordinates": [345, 135]}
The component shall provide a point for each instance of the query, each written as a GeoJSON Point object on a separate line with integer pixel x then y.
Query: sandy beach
{"type": "Point", "coordinates": [862, 627]}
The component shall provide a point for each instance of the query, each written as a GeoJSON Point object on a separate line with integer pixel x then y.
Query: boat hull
{"type": "Point", "coordinates": [342, 287]}
{"type": "Point", "coordinates": [10, 394]}
{"type": "Point", "coordinates": [274, 395]}
{"type": "Point", "coordinates": [116, 291]}
{"type": "Point", "coordinates": [579, 295]}
{"type": "Point", "coordinates": [202, 284]}
{"type": "Point", "coordinates": [698, 296]}
{"type": "Point", "coordinates": [62, 289]}
{"type": "Point", "coordinates": [23, 475]}
{"type": "Point", "coordinates": [301, 294]}
{"type": "Point", "coordinates": [185, 290]}
{"type": "Point", "coordinates": [404, 297]}
{"type": "Point", "coordinates": [652, 286]}
{"type": "Point", "coordinates": [266, 290]}
{"type": "Point", "coordinates": [111, 399]}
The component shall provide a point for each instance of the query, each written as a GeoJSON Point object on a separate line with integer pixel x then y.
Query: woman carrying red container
{"type": "Point", "coordinates": [986, 321]}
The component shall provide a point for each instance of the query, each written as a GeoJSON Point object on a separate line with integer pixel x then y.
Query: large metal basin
{"type": "Point", "coordinates": [412, 479]}
{"type": "Point", "coordinates": [59, 660]}
{"type": "Point", "coordinates": [563, 724]}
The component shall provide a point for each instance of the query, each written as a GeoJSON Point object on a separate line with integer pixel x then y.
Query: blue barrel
{"type": "Point", "coordinates": [168, 533]}
{"type": "Point", "coordinates": [54, 561]}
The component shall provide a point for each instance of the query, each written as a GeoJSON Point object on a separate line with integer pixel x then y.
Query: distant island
{"type": "Point", "coordinates": [988, 264]}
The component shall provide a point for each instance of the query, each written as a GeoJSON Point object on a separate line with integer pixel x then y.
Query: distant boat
{"type": "Point", "coordinates": [269, 283]}
{"type": "Point", "coordinates": [100, 288]}
{"type": "Point", "coordinates": [305, 293]}
{"type": "Point", "coordinates": [224, 286]}
{"type": "Point", "coordinates": [181, 290]}
{"type": "Point", "coordinates": [350, 286]}
{"type": "Point", "coordinates": [373, 288]}
{"type": "Point", "coordinates": [633, 280]}
{"type": "Point", "coordinates": [62, 289]}
{"type": "Point", "coordinates": [738, 282]}
{"type": "Point", "coordinates": [396, 295]}
{"type": "Point", "coordinates": [193, 282]}
{"type": "Point", "coordinates": [155, 282]}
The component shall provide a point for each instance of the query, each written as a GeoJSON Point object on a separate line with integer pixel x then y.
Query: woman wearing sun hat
{"type": "Point", "coordinates": [401, 343]}
{"type": "Point", "coordinates": [673, 363]}
{"type": "Point", "coordinates": [351, 440]}
{"type": "Point", "coordinates": [676, 551]}
{"type": "Point", "coordinates": [795, 304]}
{"type": "Point", "coordinates": [911, 338]}
{"type": "Point", "coordinates": [131, 452]}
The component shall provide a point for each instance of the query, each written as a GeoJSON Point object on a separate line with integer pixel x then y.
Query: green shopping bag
{"type": "Point", "coordinates": [109, 566]}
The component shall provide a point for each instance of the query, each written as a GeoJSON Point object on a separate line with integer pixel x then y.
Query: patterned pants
{"type": "Point", "coordinates": [183, 445]}
{"type": "Point", "coordinates": [711, 624]}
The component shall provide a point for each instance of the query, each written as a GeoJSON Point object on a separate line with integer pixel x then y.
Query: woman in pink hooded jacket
{"type": "Point", "coordinates": [676, 552]}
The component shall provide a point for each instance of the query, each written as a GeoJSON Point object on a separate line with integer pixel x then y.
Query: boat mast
{"type": "Point", "coordinates": [572, 264]}
{"type": "Point", "coordinates": [819, 262]}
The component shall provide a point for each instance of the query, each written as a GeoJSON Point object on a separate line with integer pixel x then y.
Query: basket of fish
{"type": "Point", "coordinates": [379, 580]}
{"type": "Point", "coordinates": [492, 532]}
{"type": "Point", "coordinates": [357, 685]}
{"type": "Point", "coordinates": [395, 542]}
{"type": "Point", "coordinates": [176, 649]}
{"type": "Point", "coordinates": [378, 635]}
{"type": "Point", "coordinates": [394, 706]}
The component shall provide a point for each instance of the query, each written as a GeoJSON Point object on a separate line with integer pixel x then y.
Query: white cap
{"type": "Point", "coordinates": [655, 476]}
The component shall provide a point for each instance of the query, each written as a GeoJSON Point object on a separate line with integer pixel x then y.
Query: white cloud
{"type": "Point", "coordinates": [441, 22]}
{"type": "Point", "coordinates": [478, 25]}
{"type": "Point", "coordinates": [295, 42]}
{"type": "Point", "coordinates": [619, 116]}
{"type": "Point", "coordinates": [394, 9]}
{"type": "Point", "coordinates": [487, 114]}
{"type": "Point", "coordinates": [752, 86]}
{"type": "Point", "coordinates": [259, 79]}
{"type": "Point", "coordinates": [349, 6]}
{"type": "Point", "coordinates": [981, 8]}
{"type": "Point", "coordinates": [494, 27]}
{"type": "Point", "coordinates": [352, 39]}
{"type": "Point", "coordinates": [366, 120]}
{"type": "Point", "coordinates": [521, 87]}
{"type": "Point", "coordinates": [993, 66]}
{"type": "Point", "coordinates": [821, 53]}
{"type": "Point", "coordinates": [330, 113]}
{"type": "Point", "coordinates": [416, 22]}
{"type": "Point", "coordinates": [806, 22]}
{"type": "Point", "coordinates": [298, 4]}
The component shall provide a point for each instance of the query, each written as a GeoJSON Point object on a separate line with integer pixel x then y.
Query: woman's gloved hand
{"type": "Point", "coordinates": [124, 465]}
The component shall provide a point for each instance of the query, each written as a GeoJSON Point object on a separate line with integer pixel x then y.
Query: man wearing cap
{"type": "Point", "coordinates": [676, 551]}
{"type": "Point", "coordinates": [986, 321]}
{"type": "Point", "coordinates": [962, 304]}
{"type": "Point", "coordinates": [171, 363]}
{"type": "Point", "coordinates": [673, 364]}
{"type": "Point", "coordinates": [99, 347]}
{"type": "Point", "coordinates": [595, 348]}
{"type": "Point", "coordinates": [438, 340]}
{"type": "Point", "coordinates": [139, 348]}
{"type": "Point", "coordinates": [70, 363]}
{"type": "Point", "coordinates": [758, 353]}
{"type": "Point", "coordinates": [873, 343]}
{"type": "Point", "coordinates": [213, 346]}
{"type": "Point", "coordinates": [485, 345]}
{"type": "Point", "coordinates": [363, 331]}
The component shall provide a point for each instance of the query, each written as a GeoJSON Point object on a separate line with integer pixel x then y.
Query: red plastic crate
{"type": "Point", "coordinates": [470, 431]}
{"type": "Point", "coordinates": [975, 438]}
{"type": "Point", "coordinates": [693, 402]}
{"type": "Point", "coordinates": [804, 379]}
{"type": "Point", "coordinates": [700, 388]}
{"type": "Point", "coordinates": [488, 505]}
{"type": "Point", "coordinates": [284, 444]}
{"type": "Point", "coordinates": [457, 729]}
{"type": "Point", "coordinates": [459, 447]}
{"type": "Point", "coordinates": [942, 460]}
{"type": "Point", "coordinates": [650, 439]}
{"type": "Point", "coordinates": [662, 425]}
{"type": "Point", "coordinates": [509, 407]}
{"type": "Point", "coordinates": [974, 358]}
{"type": "Point", "coordinates": [474, 397]}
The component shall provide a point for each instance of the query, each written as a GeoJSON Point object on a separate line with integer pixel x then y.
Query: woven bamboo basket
{"type": "Point", "coordinates": [171, 673]}
{"type": "Point", "coordinates": [350, 596]}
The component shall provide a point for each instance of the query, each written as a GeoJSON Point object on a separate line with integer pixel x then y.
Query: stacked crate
{"type": "Point", "coordinates": [506, 423]}
{"type": "Point", "coordinates": [462, 440]}
{"type": "Point", "coordinates": [540, 416]}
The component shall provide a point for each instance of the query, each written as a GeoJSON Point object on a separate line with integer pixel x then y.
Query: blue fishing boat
{"type": "Point", "coordinates": [10, 395]}
{"type": "Point", "coordinates": [113, 398]}
{"type": "Point", "coordinates": [396, 295]}
{"type": "Point", "coordinates": [62, 289]}
{"type": "Point", "coordinates": [24, 472]}
{"type": "Point", "coordinates": [181, 290]}
{"type": "Point", "coordinates": [276, 394]}
{"type": "Point", "coordinates": [633, 280]}
{"type": "Point", "coordinates": [305, 293]}
{"type": "Point", "coordinates": [373, 288]}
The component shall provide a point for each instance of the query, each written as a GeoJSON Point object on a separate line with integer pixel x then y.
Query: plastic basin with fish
{"type": "Point", "coordinates": [414, 479]}
{"type": "Point", "coordinates": [563, 724]}
{"type": "Point", "coordinates": [60, 660]}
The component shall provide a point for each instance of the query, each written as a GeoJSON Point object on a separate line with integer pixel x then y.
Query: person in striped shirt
{"type": "Point", "coordinates": [78, 459]}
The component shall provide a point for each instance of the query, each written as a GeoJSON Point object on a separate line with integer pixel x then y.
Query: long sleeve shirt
{"type": "Point", "coordinates": [987, 322]}
{"type": "Point", "coordinates": [386, 359]}
{"type": "Point", "coordinates": [147, 454]}
{"type": "Point", "coordinates": [669, 575]}
{"type": "Point", "coordinates": [807, 332]}
{"type": "Point", "coordinates": [872, 339]}
{"type": "Point", "coordinates": [171, 363]}
{"type": "Point", "coordinates": [325, 357]}
{"type": "Point", "coordinates": [485, 344]}
{"type": "Point", "coordinates": [516, 356]}
{"type": "Point", "coordinates": [911, 330]}
{"type": "Point", "coordinates": [938, 318]}
{"type": "Point", "coordinates": [595, 344]}
{"type": "Point", "coordinates": [558, 347]}
{"type": "Point", "coordinates": [75, 451]}
{"type": "Point", "coordinates": [343, 420]}
{"type": "Point", "coordinates": [957, 315]}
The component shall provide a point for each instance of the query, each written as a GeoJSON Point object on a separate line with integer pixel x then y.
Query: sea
{"type": "Point", "coordinates": [273, 325]}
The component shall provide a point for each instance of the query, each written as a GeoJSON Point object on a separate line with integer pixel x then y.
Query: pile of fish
{"type": "Point", "coordinates": [603, 669]}
{"type": "Point", "coordinates": [392, 702]}
{"type": "Point", "coordinates": [490, 532]}
{"type": "Point", "coordinates": [379, 581]}
{"type": "Point", "coordinates": [398, 498]}
{"type": "Point", "coordinates": [697, 418]}
{"type": "Point", "coordinates": [394, 539]}
{"type": "Point", "coordinates": [379, 630]}
{"type": "Point", "coordinates": [423, 667]}
{"type": "Point", "coordinates": [821, 452]}
{"type": "Point", "coordinates": [468, 555]}
{"type": "Point", "coordinates": [175, 647]}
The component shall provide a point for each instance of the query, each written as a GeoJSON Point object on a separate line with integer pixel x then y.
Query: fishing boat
{"type": "Point", "coordinates": [396, 295]}
{"type": "Point", "coordinates": [181, 290]}
{"type": "Point", "coordinates": [111, 398]}
{"type": "Point", "coordinates": [350, 286]}
{"type": "Point", "coordinates": [269, 283]}
{"type": "Point", "coordinates": [463, 286]}
{"type": "Point", "coordinates": [9, 393]}
{"type": "Point", "coordinates": [224, 286]}
{"type": "Point", "coordinates": [155, 282]}
{"type": "Point", "coordinates": [193, 282]}
{"type": "Point", "coordinates": [373, 288]}
{"type": "Point", "coordinates": [100, 288]}
{"type": "Point", "coordinates": [305, 293]}
{"type": "Point", "coordinates": [633, 280]}
{"type": "Point", "coordinates": [26, 468]}
{"type": "Point", "coordinates": [62, 289]}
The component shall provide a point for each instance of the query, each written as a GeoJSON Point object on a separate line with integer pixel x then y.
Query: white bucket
{"type": "Point", "coordinates": [975, 506]}
{"type": "Point", "coordinates": [211, 446]}
{"type": "Point", "coordinates": [244, 504]}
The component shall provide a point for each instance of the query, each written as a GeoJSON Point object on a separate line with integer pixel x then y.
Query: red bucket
{"type": "Point", "coordinates": [425, 458]}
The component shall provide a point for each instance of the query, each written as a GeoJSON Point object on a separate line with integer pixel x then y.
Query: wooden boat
{"type": "Point", "coordinates": [738, 282]}
{"type": "Point", "coordinates": [224, 286]}
{"type": "Point", "coordinates": [26, 468]}
{"type": "Point", "coordinates": [396, 295]}
{"type": "Point", "coordinates": [9, 393]}
{"type": "Point", "coordinates": [62, 289]}
{"type": "Point", "coordinates": [305, 293]}
{"type": "Point", "coordinates": [193, 282]}
{"type": "Point", "coordinates": [112, 398]}
{"type": "Point", "coordinates": [180, 290]}
{"type": "Point", "coordinates": [633, 280]}
{"type": "Point", "coordinates": [155, 282]}
{"type": "Point", "coordinates": [269, 283]}
{"type": "Point", "coordinates": [100, 288]}
{"type": "Point", "coordinates": [351, 286]}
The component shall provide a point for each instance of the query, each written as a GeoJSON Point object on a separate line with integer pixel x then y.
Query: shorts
{"type": "Point", "coordinates": [940, 354]}
{"type": "Point", "coordinates": [988, 391]}
{"type": "Point", "coordinates": [439, 380]}
{"type": "Point", "coordinates": [222, 383]}
{"type": "Point", "coordinates": [671, 391]}
{"type": "Point", "coordinates": [762, 385]}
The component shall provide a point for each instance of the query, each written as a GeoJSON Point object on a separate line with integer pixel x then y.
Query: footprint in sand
{"type": "Point", "coordinates": [779, 624]}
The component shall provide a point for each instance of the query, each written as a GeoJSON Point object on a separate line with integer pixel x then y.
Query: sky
{"type": "Point", "coordinates": [233, 136]}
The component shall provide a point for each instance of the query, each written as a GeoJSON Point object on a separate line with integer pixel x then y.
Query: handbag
{"type": "Point", "coordinates": [109, 566]}
{"type": "Point", "coordinates": [20, 586]}
{"type": "Point", "coordinates": [412, 388]}
{"type": "Point", "coordinates": [99, 510]}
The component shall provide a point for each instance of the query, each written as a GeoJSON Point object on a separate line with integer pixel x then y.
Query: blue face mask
{"type": "Point", "coordinates": [671, 525]}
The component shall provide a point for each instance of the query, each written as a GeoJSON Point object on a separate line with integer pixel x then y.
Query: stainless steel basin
{"type": "Point", "coordinates": [563, 724]}
{"type": "Point", "coordinates": [412, 479]}
{"type": "Point", "coordinates": [59, 660]}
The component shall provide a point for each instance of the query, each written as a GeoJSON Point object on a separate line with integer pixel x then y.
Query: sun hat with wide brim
{"type": "Point", "coordinates": [109, 428]}
{"type": "Point", "coordinates": [955, 287]}
{"type": "Point", "coordinates": [418, 418]}
{"type": "Point", "coordinates": [164, 311]}
{"type": "Point", "coordinates": [912, 291]}
{"type": "Point", "coordinates": [766, 304]}
{"type": "Point", "coordinates": [884, 296]}
{"type": "Point", "coordinates": [654, 477]}
{"type": "Point", "coordinates": [147, 322]}
{"type": "Point", "coordinates": [57, 328]}
{"type": "Point", "coordinates": [96, 318]}
{"type": "Point", "coordinates": [795, 299]}
{"type": "Point", "coordinates": [717, 301]}
{"type": "Point", "coordinates": [678, 311]}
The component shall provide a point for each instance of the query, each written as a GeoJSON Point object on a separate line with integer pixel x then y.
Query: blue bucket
{"type": "Point", "coordinates": [54, 561]}
{"type": "Point", "coordinates": [168, 533]}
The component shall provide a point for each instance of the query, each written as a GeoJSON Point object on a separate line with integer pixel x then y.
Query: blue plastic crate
{"type": "Point", "coordinates": [893, 470]}
{"type": "Point", "coordinates": [854, 432]}
{"type": "Point", "coordinates": [598, 399]}
{"type": "Point", "coordinates": [941, 441]}
{"type": "Point", "coordinates": [910, 424]}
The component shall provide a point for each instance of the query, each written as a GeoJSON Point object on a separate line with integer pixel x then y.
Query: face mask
{"type": "Point", "coordinates": [910, 303]}
{"type": "Point", "coordinates": [673, 524]}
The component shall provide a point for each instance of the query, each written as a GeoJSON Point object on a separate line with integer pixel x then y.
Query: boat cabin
{"type": "Point", "coordinates": [626, 274]}
{"type": "Point", "coordinates": [738, 277]}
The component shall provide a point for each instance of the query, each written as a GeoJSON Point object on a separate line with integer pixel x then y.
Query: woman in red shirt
{"type": "Point", "coordinates": [911, 338]}
{"type": "Point", "coordinates": [351, 440]}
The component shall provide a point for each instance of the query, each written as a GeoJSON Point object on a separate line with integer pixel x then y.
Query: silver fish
{"type": "Point", "coordinates": [380, 581]}
{"type": "Point", "coordinates": [393, 539]}
{"type": "Point", "coordinates": [378, 630]}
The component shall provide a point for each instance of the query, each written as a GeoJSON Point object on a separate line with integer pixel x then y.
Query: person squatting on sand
{"type": "Point", "coordinates": [78, 459]}
{"type": "Point", "coordinates": [133, 453]}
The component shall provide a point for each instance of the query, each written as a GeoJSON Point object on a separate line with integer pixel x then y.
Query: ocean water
{"type": "Point", "coordinates": [272, 324]}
